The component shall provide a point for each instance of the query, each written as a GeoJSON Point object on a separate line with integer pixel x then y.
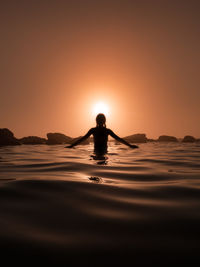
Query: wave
{"type": "Point", "coordinates": [63, 205]}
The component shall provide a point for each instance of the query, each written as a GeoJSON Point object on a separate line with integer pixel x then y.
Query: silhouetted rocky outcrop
{"type": "Point", "coordinates": [151, 140]}
{"type": "Point", "coordinates": [7, 138]}
{"type": "Point", "coordinates": [136, 138]}
{"type": "Point", "coordinates": [167, 138]}
{"type": "Point", "coordinates": [33, 140]}
{"type": "Point", "coordinates": [58, 138]}
{"type": "Point", "coordinates": [188, 139]}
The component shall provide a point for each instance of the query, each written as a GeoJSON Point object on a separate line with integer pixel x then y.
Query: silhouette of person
{"type": "Point", "coordinates": [100, 134]}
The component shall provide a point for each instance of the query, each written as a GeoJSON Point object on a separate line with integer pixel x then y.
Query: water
{"type": "Point", "coordinates": [64, 202]}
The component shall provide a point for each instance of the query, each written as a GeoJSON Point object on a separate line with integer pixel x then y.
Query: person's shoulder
{"type": "Point", "coordinates": [92, 130]}
{"type": "Point", "coordinates": [109, 130]}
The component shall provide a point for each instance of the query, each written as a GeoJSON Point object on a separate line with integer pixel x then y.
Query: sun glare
{"type": "Point", "coordinates": [100, 107]}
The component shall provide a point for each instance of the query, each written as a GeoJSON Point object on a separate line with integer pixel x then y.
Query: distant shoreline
{"type": "Point", "coordinates": [7, 137]}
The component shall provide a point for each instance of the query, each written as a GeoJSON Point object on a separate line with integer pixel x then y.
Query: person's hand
{"type": "Point", "coordinates": [70, 146]}
{"type": "Point", "coordinates": [134, 146]}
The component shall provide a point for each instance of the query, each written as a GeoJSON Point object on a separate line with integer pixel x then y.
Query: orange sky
{"type": "Point", "coordinates": [141, 57]}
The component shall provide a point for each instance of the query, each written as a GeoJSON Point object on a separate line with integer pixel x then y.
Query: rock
{"type": "Point", "coordinates": [33, 140]}
{"type": "Point", "coordinates": [166, 138]}
{"type": "Point", "coordinates": [188, 139]}
{"type": "Point", "coordinates": [136, 138]}
{"type": "Point", "coordinates": [151, 140]}
{"type": "Point", "coordinates": [58, 138]}
{"type": "Point", "coordinates": [7, 138]}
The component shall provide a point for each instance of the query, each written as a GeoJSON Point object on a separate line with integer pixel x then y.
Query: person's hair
{"type": "Point", "coordinates": [101, 120]}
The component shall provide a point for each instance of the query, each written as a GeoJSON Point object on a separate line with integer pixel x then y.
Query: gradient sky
{"type": "Point", "coordinates": [58, 58]}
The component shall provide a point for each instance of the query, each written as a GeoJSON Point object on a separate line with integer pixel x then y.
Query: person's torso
{"type": "Point", "coordinates": [100, 135]}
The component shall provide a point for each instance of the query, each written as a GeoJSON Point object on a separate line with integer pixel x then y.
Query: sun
{"type": "Point", "coordinates": [100, 107]}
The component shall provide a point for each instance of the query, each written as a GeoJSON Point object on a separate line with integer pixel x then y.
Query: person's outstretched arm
{"type": "Point", "coordinates": [121, 140]}
{"type": "Point", "coordinates": [81, 139]}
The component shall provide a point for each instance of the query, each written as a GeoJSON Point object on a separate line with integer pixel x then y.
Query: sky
{"type": "Point", "coordinates": [141, 58]}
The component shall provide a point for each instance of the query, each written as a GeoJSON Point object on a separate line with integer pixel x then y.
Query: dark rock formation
{"type": "Point", "coordinates": [151, 140]}
{"type": "Point", "coordinates": [136, 138]}
{"type": "Point", "coordinates": [188, 139]}
{"type": "Point", "coordinates": [7, 138]}
{"type": "Point", "coordinates": [166, 138]}
{"type": "Point", "coordinates": [58, 138]}
{"type": "Point", "coordinates": [33, 140]}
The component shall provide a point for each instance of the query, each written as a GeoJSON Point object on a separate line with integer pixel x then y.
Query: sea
{"type": "Point", "coordinates": [131, 207]}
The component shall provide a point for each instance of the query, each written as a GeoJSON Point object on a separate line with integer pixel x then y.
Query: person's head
{"type": "Point", "coordinates": [101, 120]}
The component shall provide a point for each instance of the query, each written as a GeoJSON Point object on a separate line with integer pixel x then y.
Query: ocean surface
{"type": "Point", "coordinates": [65, 205]}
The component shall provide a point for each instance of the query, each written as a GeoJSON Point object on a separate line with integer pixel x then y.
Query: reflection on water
{"type": "Point", "coordinates": [151, 162]}
{"type": "Point", "coordinates": [100, 159]}
{"type": "Point", "coordinates": [95, 179]}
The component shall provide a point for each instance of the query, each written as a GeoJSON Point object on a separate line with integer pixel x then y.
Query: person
{"type": "Point", "coordinates": [100, 134]}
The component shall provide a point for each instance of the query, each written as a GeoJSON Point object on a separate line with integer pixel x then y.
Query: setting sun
{"type": "Point", "coordinates": [100, 107]}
